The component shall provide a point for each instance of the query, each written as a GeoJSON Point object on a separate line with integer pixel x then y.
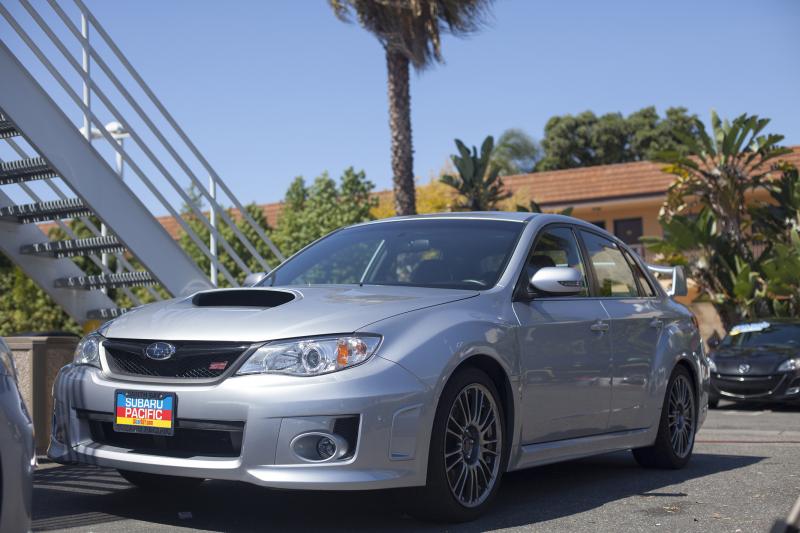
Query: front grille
{"type": "Point", "coordinates": [191, 360]}
{"type": "Point", "coordinates": [185, 443]}
{"type": "Point", "coordinates": [747, 386]}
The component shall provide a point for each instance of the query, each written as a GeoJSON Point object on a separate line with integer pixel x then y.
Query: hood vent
{"type": "Point", "coordinates": [242, 298]}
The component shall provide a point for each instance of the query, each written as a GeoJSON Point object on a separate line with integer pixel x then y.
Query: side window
{"type": "Point", "coordinates": [556, 247]}
{"type": "Point", "coordinates": [644, 283]}
{"type": "Point", "coordinates": [614, 275]}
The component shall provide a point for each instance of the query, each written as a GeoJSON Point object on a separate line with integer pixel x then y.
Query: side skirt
{"type": "Point", "coordinates": [564, 450]}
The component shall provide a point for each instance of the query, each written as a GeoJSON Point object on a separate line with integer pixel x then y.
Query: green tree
{"type": "Point", "coordinates": [227, 233]}
{"type": "Point", "coordinates": [516, 153]}
{"type": "Point", "coordinates": [309, 212]}
{"type": "Point", "coordinates": [410, 33]}
{"type": "Point", "coordinates": [24, 307]}
{"type": "Point", "coordinates": [586, 140]}
{"type": "Point", "coordinates": [741, 256]}
{"type": "Point", "coordinates": [478, 182]}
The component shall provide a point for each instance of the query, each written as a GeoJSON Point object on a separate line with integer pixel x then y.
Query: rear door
{"type": "Point", "coordinates": [636, 323]}
{"type": "Point", "coordinates": [566, 350]}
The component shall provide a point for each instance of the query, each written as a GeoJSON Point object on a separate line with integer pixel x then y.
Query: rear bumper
{"type": "Point", "coordinates": [388, 402]}
{"type": "Point", "coordinates": [783, 387]}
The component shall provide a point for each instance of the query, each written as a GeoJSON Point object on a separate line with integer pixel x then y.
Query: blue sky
{"type": "Point", "coordinates": [274, 89]}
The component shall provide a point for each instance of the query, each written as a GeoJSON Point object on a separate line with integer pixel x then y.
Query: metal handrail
{"type": "Point", "coordinates": [93, 118]}
{"type": "Point", "coordinates": [59, 44]}
{"type": "Point", "coordinates": [185, 138]}
{"type": "Point", "coordinates": [163, 142]}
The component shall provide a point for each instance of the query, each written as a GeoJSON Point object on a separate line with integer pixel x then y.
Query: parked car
{"type": "Point", "coordinates": [436, 352]}
{"type": "Point", "coordinates": [757, 362]}
{"type": "Point", "coordinates": [17, 453]}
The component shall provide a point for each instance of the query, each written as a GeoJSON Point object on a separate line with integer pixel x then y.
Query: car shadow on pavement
{"type": "Point", "coordinates": [85, 497]}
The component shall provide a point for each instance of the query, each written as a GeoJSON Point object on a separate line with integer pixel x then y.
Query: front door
{"type": "Point", "coordinates": [636, 323]}
{"type": "Point", "coordinates": [566, 350]}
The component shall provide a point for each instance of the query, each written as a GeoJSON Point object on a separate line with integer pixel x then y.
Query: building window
{"type": "Point", "coordinates": [630, 230]}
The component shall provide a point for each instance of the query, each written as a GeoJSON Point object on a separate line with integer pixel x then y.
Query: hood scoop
{"type": "Point", "coordinates": [242, 298]}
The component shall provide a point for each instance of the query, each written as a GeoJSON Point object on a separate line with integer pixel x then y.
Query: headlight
{"type": "Point", "coordinates": [88, 350]}
{"type": "Point", "coordinates": [7, 367]}
{"type": "Point", "coordinates": [789, 365]}
{"type": "Point", "coordinates": [712, 366]}
{"type": "Point", "coordinates": [311, 357]}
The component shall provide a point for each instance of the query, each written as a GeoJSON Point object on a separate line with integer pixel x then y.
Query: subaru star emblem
{"type": "Point", "coordinates": [744, 368]}
{"type": "Point", "coordinates": [159, 351]}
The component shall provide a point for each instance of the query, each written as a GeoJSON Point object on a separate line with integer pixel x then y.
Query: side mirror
{"type": "Point", "coordinates": [558, 280]}
{"type": "Point", "coordinates": [253, 279]}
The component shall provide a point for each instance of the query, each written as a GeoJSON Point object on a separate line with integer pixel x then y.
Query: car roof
{"type": "Point", "coordinates": [510, 216]}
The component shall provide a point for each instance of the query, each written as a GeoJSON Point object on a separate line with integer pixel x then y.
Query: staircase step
{"type": "Point", "coordinates": [106, 314]}
{"type": "Point", "coordinates": [126, 279]}
{"type": "Point", "coordinates": [7, 129]}
{"type": "Point", "coordinates": [34, 168]}
{"type": "Point", "coordinates": [44, 211]}
{"type": "Point", "coordinates": [75, 247]}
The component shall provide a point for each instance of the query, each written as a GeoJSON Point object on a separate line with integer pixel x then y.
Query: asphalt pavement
{"type": "Point", "coordinates": [745, 474]}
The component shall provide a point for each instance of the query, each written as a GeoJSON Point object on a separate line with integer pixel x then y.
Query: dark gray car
{"type": "Point", "coordinates": [17, 459]}
{"type": "Point", "coordinates": [757, 362]}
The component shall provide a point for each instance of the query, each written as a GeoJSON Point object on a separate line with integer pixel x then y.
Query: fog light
{"type": "Point", "coordinates": [793, 390]}
{"type": "Point", "coordinates": [319, 447]}
{"type": "Point", "coordinates": [326, 448]}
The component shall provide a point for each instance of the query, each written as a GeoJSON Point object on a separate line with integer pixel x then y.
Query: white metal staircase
{"type": "Point", "coordinates": [57, 158]}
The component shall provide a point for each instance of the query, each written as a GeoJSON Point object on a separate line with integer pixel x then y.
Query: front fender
{"type": "Point", "coordinates": [432, 343]}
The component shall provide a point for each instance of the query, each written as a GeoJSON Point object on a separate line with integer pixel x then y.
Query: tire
{"type": "Point", "coordinates": [674, 444]}
{"type": "Point", "coordinates": [462, 484]}
{"type": "Point", "coordinates": [158, 482]}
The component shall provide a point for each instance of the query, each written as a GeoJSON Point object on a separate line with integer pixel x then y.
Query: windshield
{"type": "Point", "coordinates": [763, 333]}
{"type": "Point", "coordinates": [436, 253]}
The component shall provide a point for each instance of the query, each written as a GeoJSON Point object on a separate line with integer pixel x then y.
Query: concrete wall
{"type": "Point", "coordinates": [38, 360]}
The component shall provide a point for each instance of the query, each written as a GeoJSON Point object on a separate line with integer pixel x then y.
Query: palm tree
{"type": "Point", "coordinates": [409, 31]}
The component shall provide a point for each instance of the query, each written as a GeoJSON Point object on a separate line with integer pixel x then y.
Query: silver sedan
{"type": "Point", "coordinates": [436, 352]}
{"type": "Point", "coordinates": [17, 455]}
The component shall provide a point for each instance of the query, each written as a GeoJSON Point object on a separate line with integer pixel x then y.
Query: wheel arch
{"type": "Point", "coordinates": [502, 382]}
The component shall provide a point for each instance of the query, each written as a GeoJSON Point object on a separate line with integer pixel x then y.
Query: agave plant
{"type": "Point", "coordinates": [717, 171]}
{"type": "Point", "coordinates": [478, 182]}
{"type": "Point", "coordinates": [744, 258]}
{"type": "Point", "coordinates": [534, 207]}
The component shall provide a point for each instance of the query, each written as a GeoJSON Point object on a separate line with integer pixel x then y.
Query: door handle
{"type": "Point", "coordinates": [656, 323]}
{"type": "Point", "coordinates": [599, 326]}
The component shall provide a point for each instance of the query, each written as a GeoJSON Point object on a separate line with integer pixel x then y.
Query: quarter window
{"type": "Point", "coordinates": [614, 275]}
{"type": "Point", "coordinates": [644, 283]}
{"type": "Point", "coordinates": [556, 247]}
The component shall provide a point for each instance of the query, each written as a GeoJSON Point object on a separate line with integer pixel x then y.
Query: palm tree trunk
{"type": "Point", "coordinates": [400, 126]}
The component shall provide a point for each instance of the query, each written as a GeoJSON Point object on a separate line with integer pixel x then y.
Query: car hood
{"type": "Point", "coordinates": [763, 360]}
{"type": "Point", "coordinates": [260, 314]}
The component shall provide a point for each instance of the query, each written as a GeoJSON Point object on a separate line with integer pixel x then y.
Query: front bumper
{"type": "Point", "coordinates": [782, 387]}
{"type": "Point", "coordinates": [388, 402]}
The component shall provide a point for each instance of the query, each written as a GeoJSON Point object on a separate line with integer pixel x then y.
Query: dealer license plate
{"type": "Point", "coordinates": [144, 412]}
